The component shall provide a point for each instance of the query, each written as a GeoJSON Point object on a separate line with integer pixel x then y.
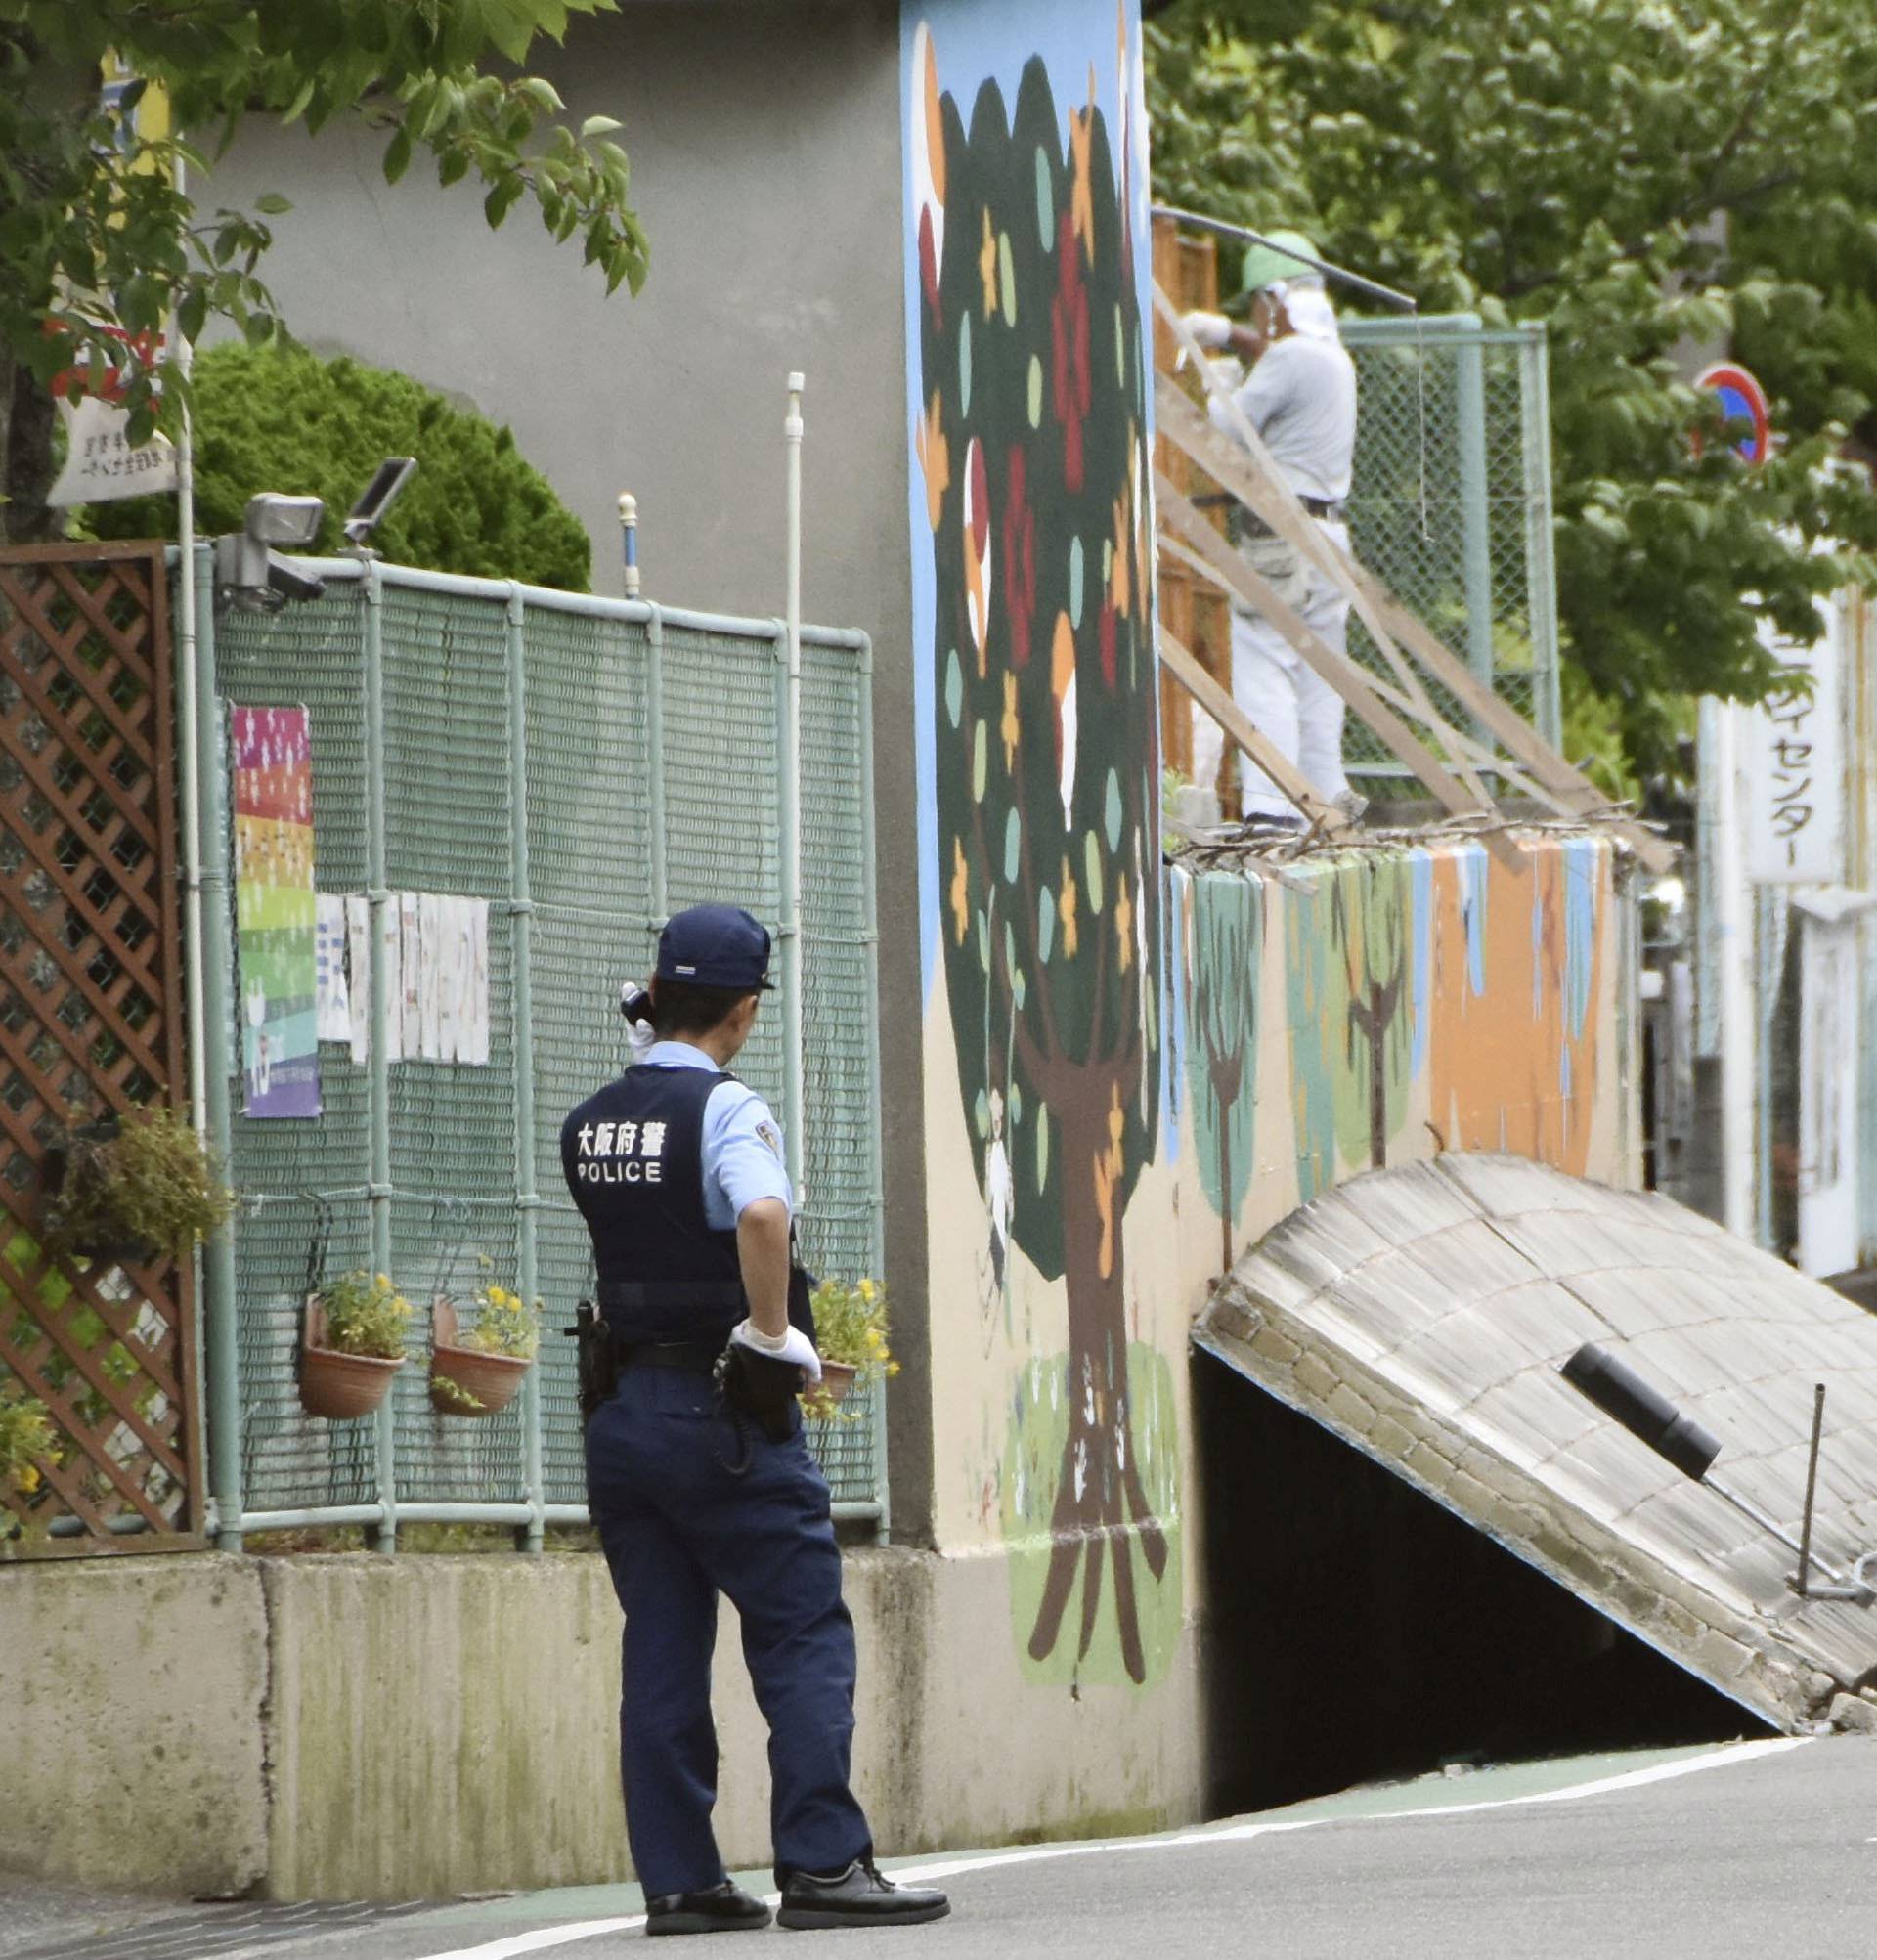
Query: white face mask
{"type": "Point", "coordinates": [1310, 313]}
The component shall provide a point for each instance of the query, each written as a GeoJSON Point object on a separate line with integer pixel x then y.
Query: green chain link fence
{"type": "Point", "coordinates": [1452, 506]}
{"type": "Point", "coordinates": [647, 744]}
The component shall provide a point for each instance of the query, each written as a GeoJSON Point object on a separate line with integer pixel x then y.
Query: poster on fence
{"type": "Point", "coordinates": [275, 910]}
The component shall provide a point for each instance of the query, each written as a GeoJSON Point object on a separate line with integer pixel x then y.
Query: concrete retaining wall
{"type": "Point", "coordinates": [331, 1728]}
{"type": "Point", "coordinates": [133, 1710]}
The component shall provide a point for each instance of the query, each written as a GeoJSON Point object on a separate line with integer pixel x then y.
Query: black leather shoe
{"type": "Point", "coordinates": [721, 1909]}
{"type": "Point", "coordinates": [856, 1897]}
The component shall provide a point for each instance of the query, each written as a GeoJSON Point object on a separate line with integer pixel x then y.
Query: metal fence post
{"type": "Point", "coordinates": [522, 909]}
{"type": "Point", "coordinates": [655, 741]}
{"type": "Point", "coordinates": [789, 833]}
{"type": "Point", "coordinates": [794, 1093]}
{"type": "Point", "coordinates": [378, 1187]}
{"type": "Point", "coordinates": [223, 1375]}
{"type": "Point", "coordinates": [1475, 508]}
{"type": "Point", "coordinates": [876, 1149]}
{"type": "Point", "coordinates": [1541, 585]}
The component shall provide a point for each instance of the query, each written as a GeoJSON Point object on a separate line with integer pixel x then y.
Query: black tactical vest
{"type": "Point", "coordinates": [633, 1159]}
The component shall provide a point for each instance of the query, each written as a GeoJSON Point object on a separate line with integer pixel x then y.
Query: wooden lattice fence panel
{"type": "Point", "coordinates": [90, 1027]}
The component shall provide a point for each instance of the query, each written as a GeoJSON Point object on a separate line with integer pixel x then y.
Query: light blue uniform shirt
{"type": "Point", "coordinates": [743, 1157]}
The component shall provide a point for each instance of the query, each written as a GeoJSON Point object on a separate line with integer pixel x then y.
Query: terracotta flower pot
{"type": "Point", "coordinates": [336, 1385]}
{"type": "Point", "coordinates": [836, 1385]}
{"type": "Point", "coordinates": [491, 1378]}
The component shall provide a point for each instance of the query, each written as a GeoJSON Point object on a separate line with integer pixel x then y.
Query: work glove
{"type": "Point", "coordinates": [1212, 331]}
{"type": "Point", "coordinates": [793, 1346]}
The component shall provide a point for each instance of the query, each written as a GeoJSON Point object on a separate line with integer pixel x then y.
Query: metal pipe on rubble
{"type": "Point", "coordinates": [793, 1093]}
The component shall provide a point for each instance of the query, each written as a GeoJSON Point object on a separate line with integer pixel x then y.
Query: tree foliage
{"type": "Point", "coordinates": [286, 420]}
{"type": "Point", "coordinates": [97, 233]}
{"type": "Point", "coordinates": [1648, 178]}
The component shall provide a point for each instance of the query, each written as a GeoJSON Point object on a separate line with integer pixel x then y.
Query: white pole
{"type": "Point", "coordinates": [1736, 1028]}
{"type": "Point", "coordinates": [628, 542]}
{"type": "Point", "coordinates": [791, 798]}
{"type": "Point", "coordinates": [188, 684]}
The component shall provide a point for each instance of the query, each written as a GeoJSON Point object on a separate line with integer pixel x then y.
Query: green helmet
{"type": "Point", "coordinates": [1265, 266]}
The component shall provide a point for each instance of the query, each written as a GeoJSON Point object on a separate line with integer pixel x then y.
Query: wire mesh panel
{"type": "Point", "coordinates": [647, 750]}
{"type": "Point", "coordinates": [1450, 505]}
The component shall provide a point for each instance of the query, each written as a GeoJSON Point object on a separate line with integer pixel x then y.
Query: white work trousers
{"type": "Point", "coordinates": [1285, 697]}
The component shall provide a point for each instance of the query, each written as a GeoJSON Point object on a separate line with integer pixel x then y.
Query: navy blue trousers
{"type": "Point", "coordinates": [677, 1529]}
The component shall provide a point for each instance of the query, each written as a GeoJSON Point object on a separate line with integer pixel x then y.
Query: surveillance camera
{"type": "Point", "coordinates": [287, 578]}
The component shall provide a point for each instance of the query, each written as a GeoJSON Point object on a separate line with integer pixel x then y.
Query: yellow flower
{"type": "Point", "coordinates": [26, 1479]}
{"type": "Point", "coordinates": [868, 1290]}
{"type": "Point", "coordinates": [384, 1283]}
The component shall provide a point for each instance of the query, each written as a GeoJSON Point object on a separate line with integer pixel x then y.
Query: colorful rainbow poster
{"type": "Point", "coordinates": [275, 910]}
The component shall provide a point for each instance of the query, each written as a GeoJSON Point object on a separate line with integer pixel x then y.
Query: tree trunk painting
{"type": "Point", "coordinates": [1228, 946]}
{"type": "Point", "coordinates": [1031, 443]}
{"type": "Point", "coordinates": [1378, 922]}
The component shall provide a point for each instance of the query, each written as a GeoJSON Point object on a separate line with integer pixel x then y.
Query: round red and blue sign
{"type": "Point", "coordinates": [1743, 400]}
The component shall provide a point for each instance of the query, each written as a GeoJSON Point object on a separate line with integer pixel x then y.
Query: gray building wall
{"type": "Point", "coordinates": [765, 149]}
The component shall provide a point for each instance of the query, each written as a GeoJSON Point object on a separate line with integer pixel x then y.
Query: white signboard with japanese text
{"type": "Point", "coordinates": [101, 460]}
{"type": "Point", "coordinates": [1828, 1073]}
{"type": "Point", "coordinates": [1792, 765]}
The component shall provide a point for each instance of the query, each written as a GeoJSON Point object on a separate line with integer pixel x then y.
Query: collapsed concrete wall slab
{"type": "Point", "coordinates": [1423, 1315]}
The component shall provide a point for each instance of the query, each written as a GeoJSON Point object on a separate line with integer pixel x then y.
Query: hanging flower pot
{"type": "Point", "coordinates": [353, 1346]}
{"type": "Point", "coordinates": [850, 1330]}
{"type": "Point", "coordinates": [123, 1191]}
{"type": "Point", "coordinates": [477, 1374]}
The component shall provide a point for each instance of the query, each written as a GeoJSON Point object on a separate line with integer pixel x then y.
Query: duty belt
{"type": "Point", "coordinates": [631, 1295]}
{"type": "Point", "coordinates": [693, 1357]}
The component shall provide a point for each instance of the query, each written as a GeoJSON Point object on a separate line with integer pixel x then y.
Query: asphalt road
{"type": "Point", "coordinates": [1766, 1847]}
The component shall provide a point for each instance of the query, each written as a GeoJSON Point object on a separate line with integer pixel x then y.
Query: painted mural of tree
{"type": "Point", "coordinates": [1374, 921]}
{"type": "Point", "coordinates": [1355, 942]}
{"type": "Point", "coordinates": [1222, 1038]}
{"type": "Point", "coordinates": [1032, 444]}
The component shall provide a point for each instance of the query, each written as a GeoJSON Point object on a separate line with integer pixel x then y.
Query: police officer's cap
{"type": "Point", "coordinates": [715, 946]}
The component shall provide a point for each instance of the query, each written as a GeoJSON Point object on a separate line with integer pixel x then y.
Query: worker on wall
{"type": "Point", "coordinates": [1293, 381]}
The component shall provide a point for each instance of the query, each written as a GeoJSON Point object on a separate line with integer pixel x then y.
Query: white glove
{"type": "Point", "coordinates": [1212, 331]}
{"type": "Point", "coordinates": [793, 1346]}
{"type": "Point", "coordinates": [639, 1034]}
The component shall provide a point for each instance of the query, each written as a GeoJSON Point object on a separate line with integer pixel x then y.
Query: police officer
{"type": "Point", "coordinates": [678, 1170]}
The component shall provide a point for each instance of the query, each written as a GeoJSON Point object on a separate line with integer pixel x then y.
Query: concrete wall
{"type": "Point", "coordinates": [133, 1710]}
{"type": "Point", "coordinates": [363, 1727]}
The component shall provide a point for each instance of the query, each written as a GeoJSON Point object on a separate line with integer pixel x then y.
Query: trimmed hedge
{"type": "Point", "coordinates": [291, 421]}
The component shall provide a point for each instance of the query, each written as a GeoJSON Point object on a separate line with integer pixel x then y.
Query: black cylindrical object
{"type": "Point", "coordinates": [1645, 1411]}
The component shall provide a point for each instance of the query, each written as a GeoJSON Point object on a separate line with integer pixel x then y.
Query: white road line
{"type": "Point", "coordinates": [1632, 1780]}
{"type": "Point", "coordinates": [538, 1942]}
